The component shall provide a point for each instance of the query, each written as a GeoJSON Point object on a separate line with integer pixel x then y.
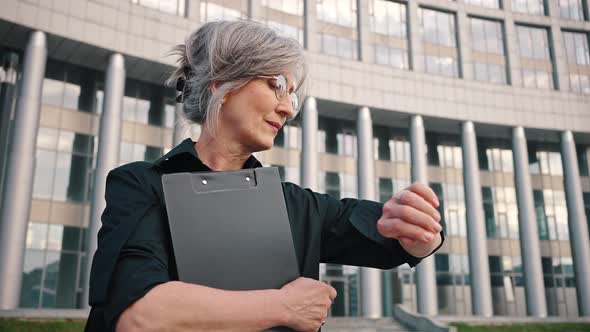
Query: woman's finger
{"type": "Point", "coordinates": [397, 228]}
{"type": "Point", "coordinates": [425, 191]}
{"type": "Point", "coordinates": [410, 198]}
{"type": "Point", "coordinates": [407, 242]}
{"type": "Point", "coordinates": [414, 216]}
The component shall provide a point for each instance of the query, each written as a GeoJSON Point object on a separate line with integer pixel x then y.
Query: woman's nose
{"type": "Point", "coordinates": [286, 106]}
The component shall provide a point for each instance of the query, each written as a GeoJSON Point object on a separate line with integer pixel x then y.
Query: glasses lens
{"type": "Point", "coordinates": [281, 90]}
{"type": "Point", "coordinates": [294, 101]}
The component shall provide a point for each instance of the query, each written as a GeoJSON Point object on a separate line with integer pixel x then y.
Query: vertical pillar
{"type": "Point", "coordinates": [425, 271]}
{"type": "Point", "coordinates": [481, 289]}
{"type": "Point", "coordinates": [527, 226]}
{"type": "Point", "coordinates": [464, 43]}
{"type": "Point", "coordinates": [309, 155]}
{"type": "Point", "coordinates": [415, 40]}
{"type": "Point", "coordinates": [577, 222]}
{"type": "Point", "coordinates": [512, 51]}
{"type": "Point", "coordinates": [109, 138]}
{"type": "Point", "coordinates": [370, 278]}
{"type": "Point", "coordinates": [254, 10]}
{"type": "Point", "coordinates": [14, 216]}
{"type": "Point", "coordinates": [310, 35]}
{"type": "Point", "coordinates": [365, 50]}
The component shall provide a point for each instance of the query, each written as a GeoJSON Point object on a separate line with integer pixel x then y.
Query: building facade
{"type": "Point", "coordinates": [487, 101]}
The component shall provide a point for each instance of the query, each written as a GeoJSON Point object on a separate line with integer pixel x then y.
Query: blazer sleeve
{"type": "Point", "coordinates": [134, 246]}
{"type": "Point", "coordinates": [350, 235]}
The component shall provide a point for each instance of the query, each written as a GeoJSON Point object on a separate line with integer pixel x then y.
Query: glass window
{"type": "Point", "coordinates": [388, 18]}
{"type": "Point", "coordinates": [488, 45]}
{"type": "Point", "coordinates": [44, 170]}
{"type": "Point", "coordinates": [340, 12]}
{"type": "Point", "coordinates": [438, 30]}
{"type": "Point", "coordinates": [31, 278]}
{"type": "Point", "coordinates": [537, 65]}
{"type": "Point", "coordinates": [338, 46]}
{"type": "Point", "coordinates": [36, 236]}
{"type": "Point", "coordinates": [571, 9]}
{"type": "Point", "coordinates": [217, 10]}
{"type": "Point", "coordinates": [175, 7]}
{"type": "Point", "coordinates": [535, 7]}
{"type": "Point", "coordinates": [485, 3]}
{"type": "Point", "coordinates": [339, 40]}
{"type": "Point", "coordinates": [53, 91]}
{"type": "Point", "coordinates": [71, 96]}
{"type": "Point", "coordinates": [286, 16]}
{"type": "Point", "coordinates": [578, 58]}
{"type": "Point", "coordinates": [294, 7]}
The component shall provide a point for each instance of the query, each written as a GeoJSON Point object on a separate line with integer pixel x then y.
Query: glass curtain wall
{"type": "Point", "coordinates": [452, 268]}
{"type": "Point", "coordinates": [337, 147]}
{"type": "Point", "coordinates": [501, 218]}
{"type": "Point", "coordinates": [64, 164]}
{"type": "Point", "coordinates": [284, 15]}
{"type": "Point", "coordinates": [545, 166]}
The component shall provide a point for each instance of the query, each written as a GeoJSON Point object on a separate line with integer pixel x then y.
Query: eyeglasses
{"type": "Point", "coordinates": [281, 90]}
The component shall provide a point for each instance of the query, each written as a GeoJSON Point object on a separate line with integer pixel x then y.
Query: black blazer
{"type": "Point", "coordinates": [134, 247]}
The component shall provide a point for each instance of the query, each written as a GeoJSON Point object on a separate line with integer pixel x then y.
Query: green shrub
{"type": "Point", "coordinates": [21, 325]}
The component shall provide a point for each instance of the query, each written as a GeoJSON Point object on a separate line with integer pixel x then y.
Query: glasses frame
{"type": "Point", "coordinates": [281, 92]}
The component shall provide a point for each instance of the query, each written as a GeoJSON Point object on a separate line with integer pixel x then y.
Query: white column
{"type": "Point", "coordinates": [578, 228]}
{"type": "Point", "coordinates": [365, 50]}
{"type": "Point", "coordinates": [370, 278]}
{"type": "Point", "coordinates": [309, 155]}
{"type": "Point", "coordinates": [415, 40]}
{"type": "Point", "coordinates": [109, 139]}
{"type": "Point", "coordinates": [425, 271]}
{"type": "Point", "coordinates": [527, 226]}
{"type": "Point", "coordinates": [481, 289]}
{"type": "Point", "coordinates": [20, 167]}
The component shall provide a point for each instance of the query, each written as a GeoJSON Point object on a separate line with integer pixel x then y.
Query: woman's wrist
{"type": "Point", "coordinates": [281, 311]}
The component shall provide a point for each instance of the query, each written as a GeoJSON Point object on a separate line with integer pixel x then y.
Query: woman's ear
{"type": "Point", "coordinates": [214, 86]}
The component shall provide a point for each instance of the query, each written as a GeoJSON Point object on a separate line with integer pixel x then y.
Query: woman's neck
{"type": "Point", "coordinates": [220, 155]}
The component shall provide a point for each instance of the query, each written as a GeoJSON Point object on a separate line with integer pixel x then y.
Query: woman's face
{"type": "Point", "coordinates": [252, 116]}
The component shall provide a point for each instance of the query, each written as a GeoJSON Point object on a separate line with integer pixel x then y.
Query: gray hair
{"type": "Point", "coordinates": [231, 53]}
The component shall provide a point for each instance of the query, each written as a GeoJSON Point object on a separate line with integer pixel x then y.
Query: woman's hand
{"type": "Point", "coordinates": [410, 216]}
{"type": "Point", "coordinates": [307, 302]}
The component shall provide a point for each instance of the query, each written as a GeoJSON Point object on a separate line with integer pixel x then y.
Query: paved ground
{"type": "Point", "coordinates": [362, 325]}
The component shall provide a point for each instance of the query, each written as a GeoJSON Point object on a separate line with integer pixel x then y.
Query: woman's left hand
{"type": "Point", "coordinates": [410, 216]}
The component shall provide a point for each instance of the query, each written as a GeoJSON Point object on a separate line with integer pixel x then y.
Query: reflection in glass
{"type": "Point", "coordinates": [31, 278]}
{"type": "Point", "coordinates": [44, 170]}
{"type": "Point", "coordinates": [216, 10]}
{"type": "Point", "coordinates": [36, 236]}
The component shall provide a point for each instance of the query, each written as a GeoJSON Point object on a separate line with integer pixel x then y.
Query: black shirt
{"type": "Point", "coordinates": [134, 246]}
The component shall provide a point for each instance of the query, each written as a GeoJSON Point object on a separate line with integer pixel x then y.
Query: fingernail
{"type": "Point", "coordinates": [436, 215]}
{"type": "Point", "coordinates": [428, 236]}
{"type": "Point", "coordinates": [437, 227]}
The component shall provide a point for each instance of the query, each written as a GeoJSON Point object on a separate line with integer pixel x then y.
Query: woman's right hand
{"type": "Point", "coordinates": [307, 302]}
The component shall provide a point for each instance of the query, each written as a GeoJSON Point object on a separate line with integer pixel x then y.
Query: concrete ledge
{"type": "Point", "coordinates": [419, 322]}
{"type": "Point", "coordinates": [81, 314]}
{"type": "Point", "coordinates": [510, 320]}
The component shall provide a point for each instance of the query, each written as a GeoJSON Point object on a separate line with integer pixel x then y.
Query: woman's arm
{"type": "Point", "coordinates": [176, 306]}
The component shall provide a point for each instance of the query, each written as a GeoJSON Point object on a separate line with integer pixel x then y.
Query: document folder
{"type": "Point", "coordinates": [230, 230]}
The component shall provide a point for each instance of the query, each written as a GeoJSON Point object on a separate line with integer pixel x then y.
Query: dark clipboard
{"type": "Point", "coordinates": [230, 230]}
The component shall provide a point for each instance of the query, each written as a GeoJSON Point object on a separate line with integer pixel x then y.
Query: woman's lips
{"type": "Point", "coordinates": [275, 125]}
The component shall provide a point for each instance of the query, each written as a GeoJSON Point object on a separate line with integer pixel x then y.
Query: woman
{"type": "Point", "coordinates": [242, 82]}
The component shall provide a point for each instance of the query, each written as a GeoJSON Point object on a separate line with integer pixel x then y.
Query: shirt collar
{"type": "Point", "coordinates": [184, 158]}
